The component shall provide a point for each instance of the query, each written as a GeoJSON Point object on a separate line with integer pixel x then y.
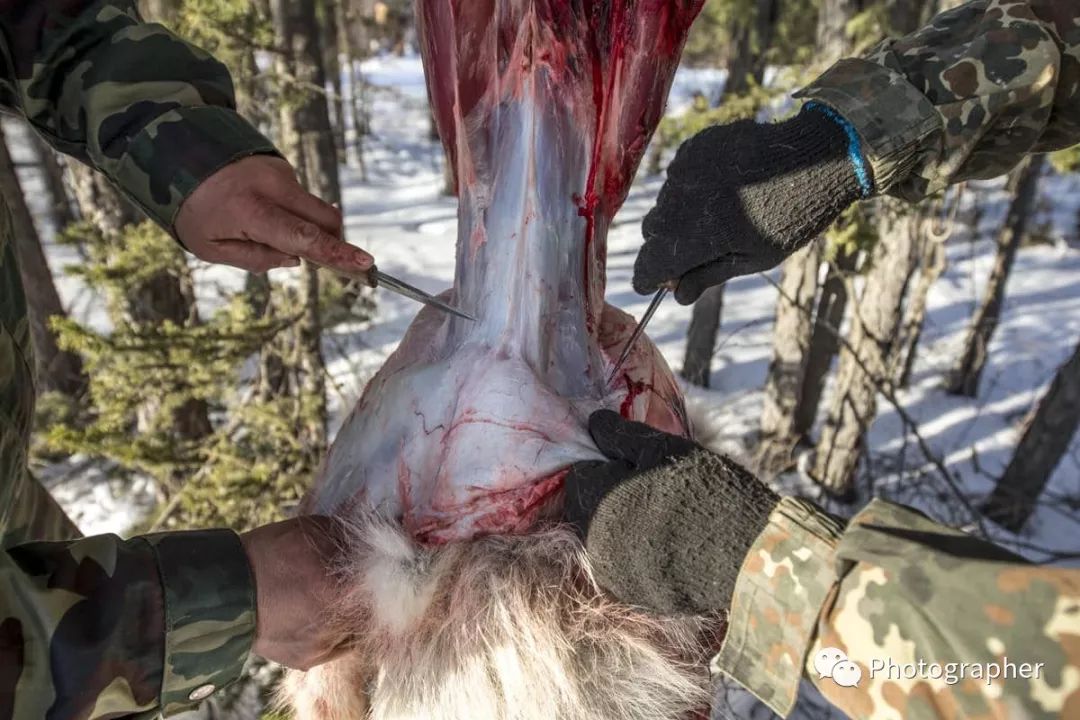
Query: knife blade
{"type": "Point", "coordinates": [414, 293]}
{"type": "Point", "coordinates": [377, 278]}
{"type": "Point", "coordinates": [638, 330]}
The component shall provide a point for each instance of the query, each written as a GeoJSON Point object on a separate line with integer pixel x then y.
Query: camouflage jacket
{"type": "Point", "coordinates": [899, 617]}
{"type": "Point", "coordinates": [965, 97]}
{"type": "Point", "coordinates": [101, 627]}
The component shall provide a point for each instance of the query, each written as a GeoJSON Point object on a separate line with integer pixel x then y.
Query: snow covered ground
{"type": "Point", "coordinates": [399, 215]}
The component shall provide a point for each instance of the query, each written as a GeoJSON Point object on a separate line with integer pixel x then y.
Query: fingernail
{"type": "Point", "coordinates": [362, 259]}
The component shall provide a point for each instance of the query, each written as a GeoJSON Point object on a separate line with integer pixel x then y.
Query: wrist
{"type": "Point", "coordinates": [209, 602]}
{"type": "Point", "coordinates": [859, 165]}
{"type": "Point", "coordinates": [673, 539]}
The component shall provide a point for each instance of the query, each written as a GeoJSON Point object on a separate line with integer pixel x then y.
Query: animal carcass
{"type": "Point", "coordinates": [467, 599]}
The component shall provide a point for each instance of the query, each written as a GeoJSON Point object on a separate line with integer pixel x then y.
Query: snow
{"type": "Point", "coordinates": [400, 216]}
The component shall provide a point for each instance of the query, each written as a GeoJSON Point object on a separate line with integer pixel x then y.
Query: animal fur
{"type": "Point", "coordinates": [498, 628]}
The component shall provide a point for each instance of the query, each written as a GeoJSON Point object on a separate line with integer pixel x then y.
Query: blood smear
{"type": "Point", "coordinates": [545, 108]}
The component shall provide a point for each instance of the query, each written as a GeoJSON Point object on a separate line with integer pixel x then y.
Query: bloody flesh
{"type": "Point", "coordinates": [545, 108]}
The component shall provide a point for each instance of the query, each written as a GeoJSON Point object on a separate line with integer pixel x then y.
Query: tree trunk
{"type": "Point", "coordinates": [347, 47]}
{"type": "Point", "coordinates": [307, 139]}
{"type": "Point", "coordinates": [1047, 434]}
{"type": "Point", "coordinates": [56, 369]}
{"type": "Point", "coordinates": [832, 37]}
{"type": "Point", "coordinates": [824, 343]}
{"type": "Point", "coordinates": [872, 335]}
{"type": "Point", "coordinates": [751, 38]}
{"type": "Point", "coordinates": [313, 367]}
{"type": "Point", "coordinates": [332, 14]}
{"type": "Point", "coordinates": [931, 266]}
{"type": "Point", "coordinates": [61, 209]}
{"type": "Point", "coordinates": [160, 11]}
{"type": "Point", "coordinates": [783, 425]}
{"type": "Point", "coordinates": [1024, 183]}
{"type": "Point", "coordinates": [307, 143]}
{"type": "Point", "coordinates": [747, 61]}
{"type": "Point", "coordinates": [791, 334]}
{"type": "Point", "coordinates": [164, 297]}
{"type": "Point", "coordinates": [701, 336]}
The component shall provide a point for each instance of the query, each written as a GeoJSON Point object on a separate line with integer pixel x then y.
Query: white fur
{"type": "Point", "coordinates": [499, 628]}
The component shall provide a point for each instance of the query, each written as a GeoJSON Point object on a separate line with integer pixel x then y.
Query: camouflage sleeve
{"type": "Point", "coordinates": [102, 627]}
{"type": "Point", "coordinates": [901, 617]}
{"type": "Point", "coordinates": [965, 97]}
{"type": "Point", "coordinates": [87, 631]}
{"type": "Point", "coordinates": [152, 112]}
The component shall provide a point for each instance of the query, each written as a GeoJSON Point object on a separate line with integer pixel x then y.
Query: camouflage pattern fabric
{"type": "Point", "coordinates": [102, 627]}
{"type": "Point", "coordinates": [782, 584]}
{"type": "Point", "coordinates": [152, 112]}
{"type": "Point", "coordinates": [966, 97]}
{"type": "Point", "coordinates": [915, 591]}
{"type": "Point", "coordinates": [906, 601]}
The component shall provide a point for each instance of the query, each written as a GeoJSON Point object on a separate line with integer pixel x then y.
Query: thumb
{"type": "Point", "coordinates": [586, 485]}
{"type": "Point", "coordinates": [700, 279]}
{"type": "Point", "coordinates": [642, 446]}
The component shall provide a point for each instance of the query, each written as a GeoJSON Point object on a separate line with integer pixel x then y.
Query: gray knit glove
{"type": "Point", "coordinates": [739, 198]}
{"type": "Point", "coordinates": [666, 522]}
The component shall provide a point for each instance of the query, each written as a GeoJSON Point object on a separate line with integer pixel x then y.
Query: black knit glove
{"type": "Point", "coordinates": [740, 198]}
{"type": "Point", "coordinates": [666, 522]}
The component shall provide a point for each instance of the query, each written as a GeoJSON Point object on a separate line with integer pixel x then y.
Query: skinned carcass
{"type": "Point", "coordinates": [466, 597]}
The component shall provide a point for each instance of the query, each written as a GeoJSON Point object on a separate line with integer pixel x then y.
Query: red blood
{"type": "Point", "coordinates": [545, 108]}
{"type": "Point", "coordinates": [633, 390]}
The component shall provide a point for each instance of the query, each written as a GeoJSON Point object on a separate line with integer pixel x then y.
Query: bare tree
{"type": "Point", "coordinates": [61, 208]}
{"type": "Point", "coordinates": [308, 143]}
{"type": "Point", "coordinates": [832, 306]}
{"type": "Point", "coordinates": [798, 283]}
{"type": "Point", "coordinates": [783, 423]}
{"type": "Point", "coordinates": [1047, 433]}
{"type": "Point", "coordinates": [56, 369]}
{"type": "Point", "coordinates": [332, 36]}
{"type": "Point", "coordinates": [872, 335]}
{"type": "Point", "coordinates": [746, 64]}
{"type": "Point", "coordinates": [750, 39]}
{"type": "Point", "coordinates": [1023, 184]}
{"type": "Point", "coordinates": [930, 266]}
{"type": "Point", "coordinates": [701, 336]}
{"type": "Point", "coordinates": [832, 36]}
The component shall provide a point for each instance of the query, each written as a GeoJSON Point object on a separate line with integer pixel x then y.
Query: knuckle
{"type": "Point", "coordinates": [305, 235]}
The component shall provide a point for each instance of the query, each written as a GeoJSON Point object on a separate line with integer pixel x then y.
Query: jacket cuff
{"type": "Point", "coordinates": [893, 118]}
{"type": "Point", "coordinates": [176, 151]}
{"type": "Point", "coordinates": [784, 581]}
{"type": "Point", "coordinates": [209, 598]}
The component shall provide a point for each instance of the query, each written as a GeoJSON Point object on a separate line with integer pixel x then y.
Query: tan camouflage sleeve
{"type": "Point", "coordinates": [900, 617]}
{"type": "Point", "coordinates": [152, 112]}
{"type": "Point", "coordinates": [965, 97]}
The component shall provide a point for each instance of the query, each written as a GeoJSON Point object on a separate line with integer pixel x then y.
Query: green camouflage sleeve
{"type": "Point", "coordinates": [152, 112]}
{"type": "Point", "coordinates": [101, 627]}
{"type": "Point", "coordinates": [900, 617]}
{"type": "Point", "coordinates": [86, 630]}
{"type": "Point", "coordinates": [965, 97]}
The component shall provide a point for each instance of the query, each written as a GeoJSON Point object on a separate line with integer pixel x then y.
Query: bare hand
{"type": "Point", "coordinates": [295, 589]}
{"type": "Point", "coordinates": [253, 214]}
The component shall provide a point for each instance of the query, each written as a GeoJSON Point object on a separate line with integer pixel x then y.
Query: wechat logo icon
{"type": "Point", "coordinates": [833, 663]}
